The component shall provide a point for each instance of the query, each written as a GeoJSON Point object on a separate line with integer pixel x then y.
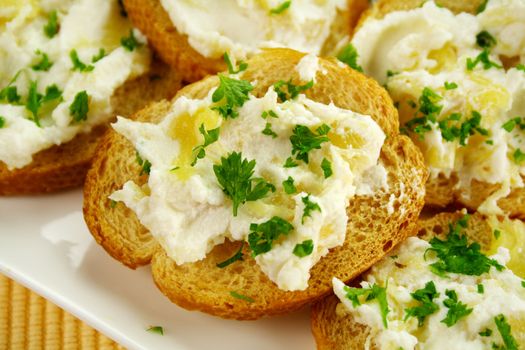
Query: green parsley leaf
{"type": "Point", "coordinates": [326, 165]}
{"type": "Point", "coordinates": [489, 142]}
{"type": "Point", "coordinates": [521, 67]}
{"type": "Point", "coordinates": [481, 288]}
{"type": "Point", "coordinates": [45, 64]}
{"type": "Point", "coordinates": [349, 55]}
{"type": "Point", "coordinates": [512, 123]}
{"type": "Point", "coordinates": [482, 7]}
{"type": "Point", "coordinates": [457, 256]}
{"type": "Point", "coordinates": [237, 256]}
{"type": "Point", "coordinates": [79, 108]}
{"type": "Point", "coordinates": [2, 122]}
{"type": "Point", "coordinates": [130, 43]}
{"type": "Point", "coordinates": [304, 249]}
{"type": "Point", "coordinates": [263, 235]}
{"type": "Point", "coordinates": [497, 234]}
{"type": "Point", "coordinates": [78, 64]}
{"type": "Point", "coordinates": [290, 163]}
{"type": "Point", "coordinates": [232, 93]}
{"type": "Point", "coordinates": [484, 59]}
{"type": "Point", "coordinates": [505, 332]}
{"type": "Point", "coordinates": [450, 86]}
{"type": "Point", "coordinates": [371, 293]}
{"type": "Point", "coordinates": [289, 186]}
{"type": "Point", "coordinates": [485, 40]}
{"type": "Point", "coordinates": [428, 112]}
{"type": "Point", "coordinates": [269, 114]}
{"type": "Point", "coordinates": [10, 93]}
{"type": "Point", "coordinates": [210, 136]}
{"type": "Point", "coordinates": [486, 333]}
{"type": "Point", "coordinates": [51, 28]}
{"type": "Point", "coordinates": [241, 297]}
{"type": "Point", "coordinates": [523, 284]}
{"type": "Point", "coordinates": [427, 307]}
{"type": "Point", "coordinates": [268, 131]}
{"type": "Point", "coordinates": [35, 100]}
{"type": "Point", "coordinates": [281, 8]}
{"type": "Point", "coordinates": [292, 90]}
{"type": "Point", "coordinates": [231, 69]}
{"type": "Point", "coordinates": [519, 156]}
{"type": "Point", "coordinates": [309, 207]}
{"type": "Point", "coordinates": [456, 309]}
{"type": "Point", "coordinates": [391, 73]}
{"type": "Point", "coordinates": [145, 165]}
{"type": "Point", "coordinates": [304, 140]}
{"type": "Point", "coordinates": [234, 174]}
{"type": "Point", "coordinates": [100, 55]}
{"type": "Point", "coordinates": [156, 329]}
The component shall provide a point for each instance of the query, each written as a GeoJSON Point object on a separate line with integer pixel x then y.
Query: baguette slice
{"type": "Point", "coordinates": [173, 47]}
{"type": "Point", "coordinates": [65, 166]}
{"type": "Point", "coordinates": [442, 191]}
{"type": "Point", "coordinates": [371, 232]}
{"type": "Point", "coordinates": [335, 332]}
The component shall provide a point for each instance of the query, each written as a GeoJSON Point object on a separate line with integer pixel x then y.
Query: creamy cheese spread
{"type": "Point", "coordinates": [41, 95]}
{"type": "Point", "coordinates": [407, 270]}
{"type": "Point", "coordinates": [459, 84]}
{"type": "Point", "coordinates": [243, 27]}
{"type": "Point", "coordinates": [187, 211]}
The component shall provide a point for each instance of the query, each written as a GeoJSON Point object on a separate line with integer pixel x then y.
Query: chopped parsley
{"type": "Point", "coordinates": [290, 163]}
{"type": "Point", "coordinates": [512, 123]}
{"type": "Point", "coordinates": [486, 333]}
{"type": "Point", "coordinates": [485, 40]}
{"type": "Point", "coordinates": [78, 64]}
{"type": "Point", "coordinates": [481, 288]}
{"type": "Point", "coordinates": [231, 93]}
{"type": "Point", "coordinates": [36, 100]}
{"type": "Point", "coordinates": [292, 90]}
{"type": "Point", "coordinates": [429, 109]}
{"type": "Point", "coordinates": [79, 108]}
{"type": "Point", "coordinates": [450, 86]}
{"type": "Point", "coordinates": [521, 67]}
{"type": "Point", "coordinates": [304, 249]}
{"type": "Point", "coordinates": [457, 256]}
{"type": "Point", "coordinates": [231, 69]}
{"type": "Point", "coordinates": [10, 93]}
{"type": "Point", "coordinates": [391, 73]}
{"type": "Point", "coordinates": [464, 130]}
{"type": "Point", "coordinates": [2, 122]}
{"type": "Point", "coordinates": [263, 235]}
{"type": "Point", "coordinates": [505, 332]}
{"type": "Point", "coordinates": [130, 43]}
{"type": "Point", "coordinates": [44, 64]}
{"type": "Point", "coordinates": [456, 309]}
{"type": "Point", "coordinates": [497, 234]}
{"type": "Point", "coordinates": [269, 114]}
{"type": "Point", "coordinates": [309, 207]}
{"type": "Point", "coordinates": [519, 156]}
{"type": "Point", "coordinates": [304, 140]}
{"type": "Point", "coordinates": [237, 256]}
{"type": "Point", "coordinates": [370, 293]}
{"type": "Point", "coordinates": [210, 136]}
{"type": "Point", "coordinates": [281, 8]}
{"type": "Point", "coordinates": [241, 297]}
{"type": "Point", "coordinates": [234, 174]}
{"type": "Point", "coordinates": [349, 56]}
{"type": "Point", "coordinates": [482, 7]}
{"type": "Point", "coordinates": [427, 306]}
{"type": "Point", "coordinates": [289, 186]}
{"type": "Point", "coordinates": [156, 329]}
{"type": "Point", "coordinates": [51, 28]}
{"type": "Point", "coordinates": [326, 165]}
{"type": "Point", "coordinates": [100, 55]}
{"type": "Point", "coordinates": [145, 165]}
{"type": "Point", "coordinates": [484, 59]}
{"type": "Point", "coordinates": [268, 131]}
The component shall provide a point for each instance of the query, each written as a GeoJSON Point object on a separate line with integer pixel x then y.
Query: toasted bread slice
{"type": "Point", "coordinates": [65, 166]}
{"type": "Point", "coordinates": [334, 332]}
{"type": "Point", "coordinates": [372, 230]}
{"type": "Point", "coordinates": [173, 47]}
{"type": "Point", "coordinates": [442, 191]}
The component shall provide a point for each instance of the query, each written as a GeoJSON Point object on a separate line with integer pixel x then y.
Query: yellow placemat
{"type": "Point", "coordinates": [28, 321]}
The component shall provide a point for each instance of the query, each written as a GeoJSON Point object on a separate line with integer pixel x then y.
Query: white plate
{"type": "Point", "coordinates": [45, 245]}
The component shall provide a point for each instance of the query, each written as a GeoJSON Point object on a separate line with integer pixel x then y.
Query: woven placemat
{"type": "Point", "coordinates": [28, 321]}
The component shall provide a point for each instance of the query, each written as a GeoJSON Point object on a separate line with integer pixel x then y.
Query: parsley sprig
{"type": "Point", "coordinates": [456, 309]}
{"type": "Point", "coordinates": [286, 90]}
{"type": "Point", "coordinates": [263, 235]}
{"type": "Point", "coordinates": [304, 140]}
{"type": "Point", "coordinates": [349, 55]}
{"type": "Point", "coordinates": [484, 59]}
{"type": "Point", "coordinates": [309, 207]}
{"type": "Point", "coordinates": [304, 249]}
{"type": "Point", "coordinates": [210, 136]}
{"type": "Point", "coordinates": [457, 256]}
{"type": "Point", "coordinates": [51, 28]}
{"type": "Point", "coordinates": [231, 69]}
{"type": "Point", "coordinates": [427, 307]}
{"type": "Point", "coordinates": [514, 122]}
{"type": "Point", "coordinates": [234, 174]}
{"type": "Point", "coordinates": [236, 257]}
{"type": "Point", "coordinates": [35, 100]}
{"type": "Point", "coordinates": [10, 92]}
{"type": "Point", "coordinates": [231, 94]}
{"type": "Point", "coordinates": [370, 293]}
{"type": "Point", "coordinates": [79, 108]}
{"type": "Point", "coordinates": [78, 65]}
{"type": "Point", "coordinates": [506, 333]}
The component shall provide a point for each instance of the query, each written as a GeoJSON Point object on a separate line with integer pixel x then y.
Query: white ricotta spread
{"type": "Point", "coordinates": [405, 271]}
{"type": "Point", "coordinates": [429, 47]}
{"type": "Point", "coordinates": [187, 211]}
{"type": "Point", "coordinates": [243, 27]}
{"type": "Point", "coordinates": [85, 26]}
